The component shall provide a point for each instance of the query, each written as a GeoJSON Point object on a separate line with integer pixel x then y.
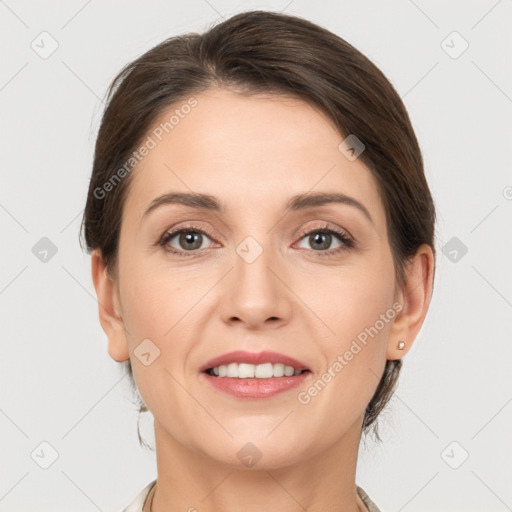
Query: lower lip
{"type": "Point", "coordinates": [256, 388]}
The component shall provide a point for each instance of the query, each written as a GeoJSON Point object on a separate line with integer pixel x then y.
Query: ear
{"type": "Point", "coordinates": [109, 307]}
{"type": "Point", "coordinates": [415, 298]}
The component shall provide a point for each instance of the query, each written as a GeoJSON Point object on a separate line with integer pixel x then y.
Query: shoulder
{"type": "Point", "coordinates": [138, 503]}
{"type": "Point", "coordinates": [367, 501]}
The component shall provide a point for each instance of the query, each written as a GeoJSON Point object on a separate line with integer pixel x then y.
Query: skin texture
{"type": "Point", "coordinates": [253, 153]}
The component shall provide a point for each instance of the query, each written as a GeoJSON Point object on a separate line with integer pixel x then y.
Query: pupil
{"type": "Point", "coordinates": [325, 245]}
{"type": "Point", "coordinates": [188, 238]}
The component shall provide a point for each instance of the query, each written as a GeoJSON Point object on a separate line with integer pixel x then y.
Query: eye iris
{"type": "Point", "coordinates": [188, 237]}
{"type": "Point", "coordinates": [314, 238]}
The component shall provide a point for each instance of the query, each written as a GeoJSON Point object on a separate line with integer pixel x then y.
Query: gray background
{"type": "Point", "coordinates": [58, 384]}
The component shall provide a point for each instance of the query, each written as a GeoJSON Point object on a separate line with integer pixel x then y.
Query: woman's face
{"type": "Point", "coordinates": [248, 277]}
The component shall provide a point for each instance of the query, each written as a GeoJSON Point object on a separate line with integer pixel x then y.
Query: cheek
{"type": "Point", "coordinates": [155, 312]}
{"type": "Point", "coordinates": [357, 308]}
{"type": "Point", "coordinates": [162, 306]}
{"type": "Point", "coordinates": [154, 299]}
{"type": "Point", "coordinates": [363, 306]}
{"type": "Point", "coordinates": [148, 306]}
{"type": "Point", "coordinates": [350, 299]}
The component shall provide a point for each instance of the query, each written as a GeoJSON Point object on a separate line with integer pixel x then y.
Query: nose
{"type": "Point", "coordinates": [256, 292]}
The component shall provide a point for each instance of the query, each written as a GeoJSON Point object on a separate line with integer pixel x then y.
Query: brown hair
{"type": "Point", "coordinates": [266, 52]}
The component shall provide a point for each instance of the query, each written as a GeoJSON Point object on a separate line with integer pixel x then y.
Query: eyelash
{"type": "Point", "coordinates": [348, 243]}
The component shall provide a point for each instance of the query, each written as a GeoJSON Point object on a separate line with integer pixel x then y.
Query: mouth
{"type": "Point", "coordinates": [252, 371]}
{"type": "Point", "coordinates": [254, 375]}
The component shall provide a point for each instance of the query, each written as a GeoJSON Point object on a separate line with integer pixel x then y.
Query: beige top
{"type": "Point", "coordinates": [138, 503]}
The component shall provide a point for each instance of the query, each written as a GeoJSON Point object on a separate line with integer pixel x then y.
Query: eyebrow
{"type": "Point", "coordinates": [296, 203]}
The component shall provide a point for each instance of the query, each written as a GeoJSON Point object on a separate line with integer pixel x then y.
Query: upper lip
{"type": "Point", "coordinates": [241, 356]}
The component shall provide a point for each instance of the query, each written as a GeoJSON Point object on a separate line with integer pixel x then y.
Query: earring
{"type": "Point", "coordinates": [401, 345]}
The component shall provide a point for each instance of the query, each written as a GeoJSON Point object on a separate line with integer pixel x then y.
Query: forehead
{"type": "Point", "coordinates": [249, 151]}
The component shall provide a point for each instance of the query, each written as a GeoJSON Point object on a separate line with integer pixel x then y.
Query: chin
{"type": "Point", "coordinates": [250, 453]}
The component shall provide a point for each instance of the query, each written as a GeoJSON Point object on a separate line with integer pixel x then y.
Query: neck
{"type": "Point", "coordinates": [189, 480]}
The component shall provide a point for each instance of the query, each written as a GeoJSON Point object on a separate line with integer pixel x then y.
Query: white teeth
{"type": "Point", "coordinates": [250, 371]}
{"type": "Point", "coordinates": [264, 371]}
{"type": "Point", "coordinates": [288, 371]}
{"type": "Point", "coordinates": [245, 371]}
{"type": "Point", "coordinates": [278, 370]}
{"type": "Point", "coordinates": [232, 370]}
